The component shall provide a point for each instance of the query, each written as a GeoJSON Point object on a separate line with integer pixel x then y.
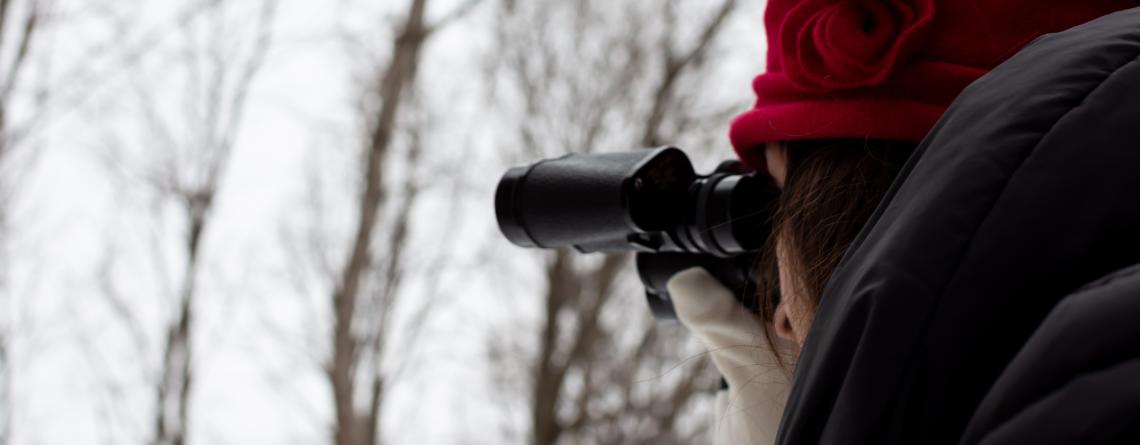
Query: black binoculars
{"type": "Point", "coordinates": [647, 201]}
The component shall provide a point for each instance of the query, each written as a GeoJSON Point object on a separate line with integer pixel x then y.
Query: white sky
{"type": "Point", "coordinates": [78, 377]}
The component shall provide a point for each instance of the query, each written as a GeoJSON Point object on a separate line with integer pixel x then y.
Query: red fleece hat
{"type": "Point", "coordinates": [885, 69]}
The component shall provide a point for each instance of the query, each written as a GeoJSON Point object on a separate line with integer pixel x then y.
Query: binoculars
{"type": "Point", "coordinates": [651, 202]}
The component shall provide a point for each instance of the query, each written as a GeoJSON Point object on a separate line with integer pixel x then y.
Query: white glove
{"type": "Point", "coordinates": [749, 411]}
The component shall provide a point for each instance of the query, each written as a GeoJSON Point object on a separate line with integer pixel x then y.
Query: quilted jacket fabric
{"type": "Point", "coordinates": [994, 297]}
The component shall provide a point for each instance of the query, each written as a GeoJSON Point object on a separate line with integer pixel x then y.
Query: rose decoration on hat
{"type": "Point", "coordinates": [884, 69]}
{"type": "Point", "coordinates": [842, 44]}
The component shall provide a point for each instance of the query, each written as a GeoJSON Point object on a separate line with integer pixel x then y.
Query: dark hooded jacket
{"type": "Point", "coordinates": [994, 297]}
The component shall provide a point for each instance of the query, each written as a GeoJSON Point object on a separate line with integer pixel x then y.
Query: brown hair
{"type": "Point", "coordinates": [832, 187]}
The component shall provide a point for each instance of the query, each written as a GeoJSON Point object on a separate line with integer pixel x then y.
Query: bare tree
{"type": "Point", "coordinates": [187, 141]}
{"type": "Point", "coordinates": [195, 185]}
{"type": "Point", "coordinates": [367, 287]}
{"type": "Point", "coordinates": [35, 93]}
{"type": "Point", "coordinates": [20, 26]}
{"type": "Point", "coordinates": [588, 74]}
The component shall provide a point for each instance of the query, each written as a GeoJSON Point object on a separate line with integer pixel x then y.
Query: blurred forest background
{"type": "Point", "coordinates": [271, 222]}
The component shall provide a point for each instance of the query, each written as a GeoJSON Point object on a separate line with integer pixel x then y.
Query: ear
{"type": "Point", "coordinates": [782, 323]}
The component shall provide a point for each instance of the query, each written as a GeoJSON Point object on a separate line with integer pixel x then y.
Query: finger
{"type": "Point", "coordinates": [711, 310]}
{"type": "Point", "coordinates": [735, 337]}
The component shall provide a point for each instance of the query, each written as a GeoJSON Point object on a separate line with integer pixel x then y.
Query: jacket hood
{"type": "Point", "coordinates": [1027, 189]}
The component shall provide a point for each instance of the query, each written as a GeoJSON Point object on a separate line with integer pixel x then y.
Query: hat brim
{"type": "Point", "coordinates": [890, 119]}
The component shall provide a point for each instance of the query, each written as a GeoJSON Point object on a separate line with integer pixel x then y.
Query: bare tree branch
{"type": "Point", "coordinates": [12, 74]}
{"type": "Point", "coordinates": [368, 286]}
{"type": "Point", "coordinates": [674, 64]}
{"type": "Point", "coordinates": [630, 103]}
{"type": "Point", "coordinates": [27, 33]}
{"type": "Point", "coordinates": [461, 11]}
{"type": "Point", "coordinates": [189, 175]}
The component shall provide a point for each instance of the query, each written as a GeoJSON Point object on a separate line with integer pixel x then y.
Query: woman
{"type": "Point", "coordinates": [939, 293]}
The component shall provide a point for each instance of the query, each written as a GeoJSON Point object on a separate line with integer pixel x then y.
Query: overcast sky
{"type": "Point", "coordinates": [79, 218]}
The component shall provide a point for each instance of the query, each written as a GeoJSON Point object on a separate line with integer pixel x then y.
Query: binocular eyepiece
{"type": "Point", "coordinates": [646, 201]}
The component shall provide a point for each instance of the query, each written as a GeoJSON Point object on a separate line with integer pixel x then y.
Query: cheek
{"type": "Point", "coordinates": [776, 156]}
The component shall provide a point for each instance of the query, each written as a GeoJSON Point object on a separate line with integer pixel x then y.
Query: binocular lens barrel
{"type": "Point", "coordinates": [646, 200]}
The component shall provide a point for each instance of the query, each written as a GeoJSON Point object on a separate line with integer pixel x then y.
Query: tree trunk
{"type": "Point", "coordinates": [353, 428]}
